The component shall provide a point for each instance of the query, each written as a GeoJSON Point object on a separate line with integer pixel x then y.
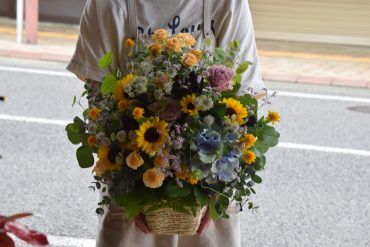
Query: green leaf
{"type": "Point", "coordinates": [231, 45]}
{"type": "Point", "coordinates": [106, 60]}
{"type": "Point", "coordinates": [268, 135]}
{"type": "Point", "coordinates": [207, 42]}
{"type": "Point", "coordinates": [260, 148]}
{"type": "Point", "coordinates": [219, 110]}
{"type": "Point", "coordinates": [249, 101]}
{"type": "Point", "coordinates": [237, 84]}
{"type": "Point", "coordinates": [108, 83]}
{"type": "Point", "coordinates": [212, 209]}
{"type": "Point", "coordinates": [220, 54]}
{"type": "Point", "coordinates": [132, 203]}
{"type": "Point", "coordinates": [256, 179]}
{"type": "Point", "coordinates": [243, 67]}
{"type": "Point", "coordinates": [201, 196]}
{"type": "Point", "coordinates": [173, 190]}
{"type": "Point", "coordinates": [74, 101]}
{"type": "Point", "coordinates": [85, 157]}
{"type": "Point", "coordinates": [236, 43]}
{"type": "Point", "coordinates": [75, 133]}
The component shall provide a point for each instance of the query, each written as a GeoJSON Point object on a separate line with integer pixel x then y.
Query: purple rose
{"type": "Point", "coordinates": [170, 112]}
{"type": "Point", "coordinates": [220, 77]}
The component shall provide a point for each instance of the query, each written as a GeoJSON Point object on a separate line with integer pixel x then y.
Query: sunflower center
{"type": "Point", "coordinates": [191, 106]}
{"type": "Point", "coordinates": [230, 112]}
{"type": "Point", "coordinates": [152, 135]}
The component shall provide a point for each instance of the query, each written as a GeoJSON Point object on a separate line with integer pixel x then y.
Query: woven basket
{"type": "Point", "coordinates": [166, 221]}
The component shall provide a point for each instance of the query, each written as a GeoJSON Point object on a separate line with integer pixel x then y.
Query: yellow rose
{"type": "Point", "coordinates": [173, 44]}
{"type": "Point", "coordinates": [91, 140]}
{"type": "Point", "coordinates": [198, 53]}
{"type": "Point", "coordinates": [129, 43]}
{"type": "Point", "coordinates": [94, 113]}
{"type": "Point", "coordinates": [153, 178]}
{"type": "Point", "coordinates": [160, 35]}
{"type": "Point", "coordinates": [134, 160]}
{"type": "Point", "coordinates": [186, 39]}
{"type": "Point", "coordinates": [189, 59]}
{"type": "Point", "coordinates": [155, 49]}
{"type": "Point", "coordinates": [161, 160]}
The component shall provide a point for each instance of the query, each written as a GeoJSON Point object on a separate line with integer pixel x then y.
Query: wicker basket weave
{"type": "Point", "coordinates": [166, 221]}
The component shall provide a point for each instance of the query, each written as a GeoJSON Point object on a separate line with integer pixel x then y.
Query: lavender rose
{"type": "Point", "coordinates": [171, 111]}
{"type": "Point", "coordinates": [220, 77]}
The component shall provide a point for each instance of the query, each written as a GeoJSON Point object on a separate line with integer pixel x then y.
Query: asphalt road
{"type": "Point", "coordinates": [311, 195]}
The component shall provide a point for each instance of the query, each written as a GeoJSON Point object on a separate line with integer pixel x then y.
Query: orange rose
{"type": "Point", "coordinates": [160, 35]}
{"type": "Point", "coordinates": [189, 59]}
{"type": "Point", "coordinates": [123, 104]}
{"type": "Point", "coordinates": [153, 178]}
{"type": "Point", "coordinates": [173, 44]}
{"type": "Point", "coordinates": [134, 160]}
{"type": "Point", "coordinates": [186, 39]}
{"type": "Point", "coordinates": [100, 168]}
{"type": "Point", "coordinates": [155, 49]}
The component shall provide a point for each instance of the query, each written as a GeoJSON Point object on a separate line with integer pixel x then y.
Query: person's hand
{"type": "Point", "coordinates": [204, 223]}
{"type": "Point", "coordinates": [141, 223]}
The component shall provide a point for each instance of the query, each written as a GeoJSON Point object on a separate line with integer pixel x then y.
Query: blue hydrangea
{"type": "Point", "coordinates": [225, 167]}
{"type": "Point", "coordinates": [208, 141]}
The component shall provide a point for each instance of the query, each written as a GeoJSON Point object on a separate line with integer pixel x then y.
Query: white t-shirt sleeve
{"type": "Point", "coordinates": [238, 25]}
{"type": "Point", "coordinates": [97, 37]}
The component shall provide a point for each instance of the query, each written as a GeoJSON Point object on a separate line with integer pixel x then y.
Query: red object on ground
{"type": "Point", "coordinates": [8, 225]}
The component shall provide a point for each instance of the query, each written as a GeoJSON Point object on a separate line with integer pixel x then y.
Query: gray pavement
{"type": "Point", "coordinates": [308, 198]}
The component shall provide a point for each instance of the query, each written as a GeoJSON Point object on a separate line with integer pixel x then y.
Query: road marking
{"type": "Point", "coordinates": [323, 96]}
{"type": "Point", "coordinates": [324, 149]}
{"type": "Point", "coordinates": [36, 71]}
{"type": "Point", "coordinates": [279, 93]}
{"type": "Point", "coordinates": [33, 120]}
{"type": "Point", "coordinates": [281, 145]}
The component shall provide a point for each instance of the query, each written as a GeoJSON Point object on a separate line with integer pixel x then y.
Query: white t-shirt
{"type": "Point", "coordinates": [105, 24]}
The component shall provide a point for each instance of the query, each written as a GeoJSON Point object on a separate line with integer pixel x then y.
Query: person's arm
{"type": "Point", "coordinates": [238, 25]}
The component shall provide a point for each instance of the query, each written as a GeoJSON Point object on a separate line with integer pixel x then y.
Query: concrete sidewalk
{"type": "Point", "coordinates": [295, 62]}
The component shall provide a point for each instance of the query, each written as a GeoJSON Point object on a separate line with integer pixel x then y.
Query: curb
{"type": "Point", "coordinates": [54, 57]}
{"type": "Point", "coordinates": [308, 79]}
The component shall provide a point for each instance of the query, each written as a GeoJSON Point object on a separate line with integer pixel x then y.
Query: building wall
{"type": "Point", "coordinates": [64, 11]}
{"type": "Point", "coordinates": [331, 21]}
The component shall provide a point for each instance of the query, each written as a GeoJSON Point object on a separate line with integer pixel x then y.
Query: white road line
{"type": "Point", "coordinates": [280, 93]}
{"type": "Point", "coordinates": [323, 96]}
{"type": "Point", "coordinates": [324, 149]}
{"type": "Point", "coordinates": [281, 145]}
{"type": "Point", "coordinates": [36, 71]}
{"type": "Point", "coordinates": [33, 120]}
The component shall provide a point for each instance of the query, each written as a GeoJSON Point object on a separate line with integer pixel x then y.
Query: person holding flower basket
{"type": "Point", "coordinates": [172, 130]}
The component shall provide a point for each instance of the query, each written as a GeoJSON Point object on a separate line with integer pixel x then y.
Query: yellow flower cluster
{"type": "Point", "coordinates": [118, 89]}
{"type": "Point", "coordinates": [186, 175]}
{"type": "Point", "coordinates": [273, 117]}
{"type": "Point", "coordinates": [104, 165]}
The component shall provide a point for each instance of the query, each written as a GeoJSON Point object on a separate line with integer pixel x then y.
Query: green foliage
{"type": "Point", "coordinates": [76, 131]}
{"type": "Point", "coordinates": [220, 55]}
{"type": "Point", "coordinates": [243, 67]}
{"type": "Point", "coordinates": [212, 209]}
{"type": "Point", "coordinates": [108, 83]}
{"type": "Point", "coordinates": [106, 60]}
{"type": "Point", "coordinates": [256, 178]}
{"type": "Point", "coordinates": [174, 191]}
{"type": "Point", "coordinates": [85, 157]}
{"type": "Point", "coordinates": [133, 203]}
{"type": "Point", "coordinates": [268, 135]}
{"type": "Point", "coordinates": [201, 196]}
{"type": "Point", "coordinates": [219, 110]}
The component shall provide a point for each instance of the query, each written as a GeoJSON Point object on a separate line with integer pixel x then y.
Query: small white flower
{"type": "Point", "coordinates": [158, 94]}
{"type": "Point", "coordinates": [91, 127]}
{"type": "Point", "coordinates": [119, 159]}
{"type": "Point", "coordinates": [209, 120]}
{"type": "Point", "coordinates": [234, 127]}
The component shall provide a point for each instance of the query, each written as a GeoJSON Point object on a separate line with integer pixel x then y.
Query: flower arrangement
{"type": "Point", "coordinates": [173, 130]}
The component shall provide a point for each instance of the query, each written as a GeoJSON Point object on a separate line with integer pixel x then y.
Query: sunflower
{"type": "Point", "coordinates": [273, 117]}
{"type": "Point", "coordinates": [248, 141]}
{"type": "Point", "coordinates": [118, 89]}
{"type": "Point", "coordinates": [188, 105]}
{"type": "Point", "coordinates": [103, 152]}
{"type": "Point", "coordinates": [249, 157]}
{"type": "Point", "coordinates": [235, 110]}
{"type": "Point", "coordinates": [152, 135]}
{"type": "Point", "coordinates": [138, 113]}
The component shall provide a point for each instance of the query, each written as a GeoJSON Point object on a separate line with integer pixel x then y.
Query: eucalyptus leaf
{"type": "Point", "coordinates": [201, 196]}
{"type": "Point", "coordinates": [173, 190]}
{"type": "Point", "coordinates": [268, 135]}
{"type": "Point", "coordinates": [256, 179]}
{"type": "Point", "coordinates": [243, 67]}
{"type": "Point", "coordinates": [74, 101]}
{"type": "Point", "coordinates": [212, 209]}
